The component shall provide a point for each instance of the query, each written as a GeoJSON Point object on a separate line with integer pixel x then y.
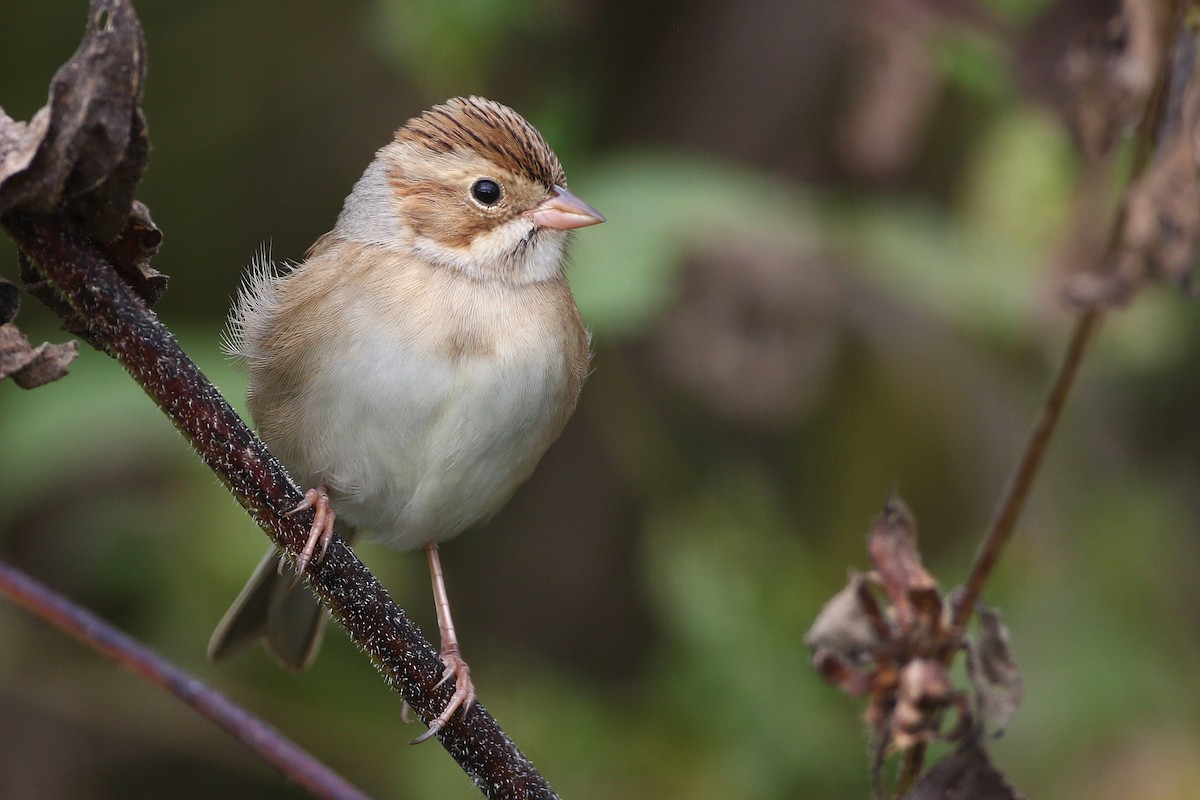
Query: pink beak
{"type": "Point", "coordinates": [564, 211]}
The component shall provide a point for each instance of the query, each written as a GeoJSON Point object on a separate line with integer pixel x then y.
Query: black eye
{"type": "Point", "coordinates": [486, 191]}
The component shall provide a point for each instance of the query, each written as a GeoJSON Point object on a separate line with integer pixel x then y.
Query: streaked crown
{"type": "Point", "coordinates": [479, 125]}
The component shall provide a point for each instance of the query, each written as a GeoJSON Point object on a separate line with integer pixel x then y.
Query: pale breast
{"type": "Point", "coordinates": [428, 397]}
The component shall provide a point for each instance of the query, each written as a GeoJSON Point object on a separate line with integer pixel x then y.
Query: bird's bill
{"type": "Point", "coordinates": [564, 211]}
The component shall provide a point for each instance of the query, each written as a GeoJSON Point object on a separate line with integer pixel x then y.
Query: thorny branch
{"type": "Point", "coordinates": [67, 184]}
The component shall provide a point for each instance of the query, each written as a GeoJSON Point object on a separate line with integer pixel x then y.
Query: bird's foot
{"type": "Point", "coordinates": [321, 532]}
{"type": "Point", "coordinates": [463, 697]}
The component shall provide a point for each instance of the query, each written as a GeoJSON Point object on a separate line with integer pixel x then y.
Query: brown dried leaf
{"type": "Point", "coordinates": [893, 551]}
{"type": "Point", "coordinates": [850, 625]}
{"type": "Point", "coordinates": [1110, 71]}
{"type": "Point", "coordinates": [49, 363]}
{"type": "Point", "coordinates": [993, 671]}
{"type": "Point", "coordinates": [130, 253]}
{"type": "Point", "coordinates": [28, 366]}
{"type": "Point", "coordinates": [85, 151]}
{"type": "Point", "coordinates": [843, 674]}
{"type": "Point", "coordinates": [965, 773]}
{"type": "Point", "coordinates": [1160, 226]}
{"type": "Point", "coordinates": [924, 691]}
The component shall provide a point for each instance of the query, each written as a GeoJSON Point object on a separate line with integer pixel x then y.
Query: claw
{"type": "Point", "coordinates": [463, 697]}
{"type": "Point", "coordinates": [321, 531]}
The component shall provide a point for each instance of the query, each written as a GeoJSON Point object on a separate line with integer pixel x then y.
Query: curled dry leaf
{"type": "Point", "coordinates": [846, 635]}
{"type": "Point", "coordinates": [130, 253]}
{"type": "Point", "coordinates": [1110, 71]}
{"type": "Point", "coordinates": [850, 624]}
{"type": "Point", "coordinates": [885, 635]}
{"type": "Point", "coordinates": [924, 689]}
{"type": "Point", "coordinates": [892, 653]}
{"type": "Point", "coordinates": [993, 672]}
{"type": "Point", "coordinates": [965, 773]}
{"type": "Point", "coordinates": [1160, 231]}
{"type": "Point", "coordinates": [83, 154]}
{"type": "Point", "coordinates": [85, 150]}
{"type": "Point", "coordinates": [910, 588]}
{"type": "Point", "coordinates": [28, 366]}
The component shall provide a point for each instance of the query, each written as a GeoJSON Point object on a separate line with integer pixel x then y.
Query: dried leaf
{"type": "Point", "coordinates": [965, 773]}
{"type": "Point", "coordinates": [849, 630]}
{"type": "Point", "coordinates": [85, 151]}
{"type": "Point", "coordinates": [1110, 72]}
{"type": "Point", "coordinates": [924, 691]}
{"type": "Point", "coordinates": [1160, 224]}
{"type": "Point", "coordinates": [28, 366]}
{"type": "Point", "coordinates": [849, 624]}
{"type": "Point", "coordinates": [49, 363]}
{"type": "Point", "coordinates": [893, 550]}
{"type": "Point", "coordinates": [130, 253]}
{"type": "Point", "coordinates": [993, 671]}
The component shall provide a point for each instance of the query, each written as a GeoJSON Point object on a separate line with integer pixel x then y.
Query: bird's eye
{"type": "Point", "coordinates": [486, 191]}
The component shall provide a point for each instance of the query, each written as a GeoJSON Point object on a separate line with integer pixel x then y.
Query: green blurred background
{"type": "Point", "coordinates": [827, 268]}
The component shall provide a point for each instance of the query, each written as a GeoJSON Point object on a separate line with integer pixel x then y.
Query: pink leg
{"type": "Point", "coordinates": [456, 667]}
{"type": "Point", "coordinates": [321, 531]}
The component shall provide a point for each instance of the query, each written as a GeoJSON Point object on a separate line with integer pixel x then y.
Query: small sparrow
{"type": "Point", "coordinates": [416, 366]}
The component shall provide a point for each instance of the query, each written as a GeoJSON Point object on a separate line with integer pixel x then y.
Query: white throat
{"type": "Point", "coordinates": [507, 253]}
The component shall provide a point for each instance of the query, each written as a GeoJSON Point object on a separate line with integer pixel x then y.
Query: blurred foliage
{"type": "Point", "coordinates": [442, 43]}
{"type": "Point", "coordinates": [779, 336]}
{"type": "Point", "coordinates": [666, 206]}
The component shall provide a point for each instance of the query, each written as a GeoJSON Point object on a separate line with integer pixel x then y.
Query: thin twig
{"type": "Point", "coordinates": [1012, 502]}
{"type": "Point", "coordinates": [276, 749]}
{"type": "Point", "coordinates": [1017, 492]}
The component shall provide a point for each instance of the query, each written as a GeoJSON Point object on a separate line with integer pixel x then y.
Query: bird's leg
{"type": "Point", "coordinates": [321, 532]}
{"type": "Point", "coordinates": [464, 690]}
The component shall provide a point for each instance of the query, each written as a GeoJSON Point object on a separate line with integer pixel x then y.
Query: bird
{"type": "Point", "coordinates": [412, 370]}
